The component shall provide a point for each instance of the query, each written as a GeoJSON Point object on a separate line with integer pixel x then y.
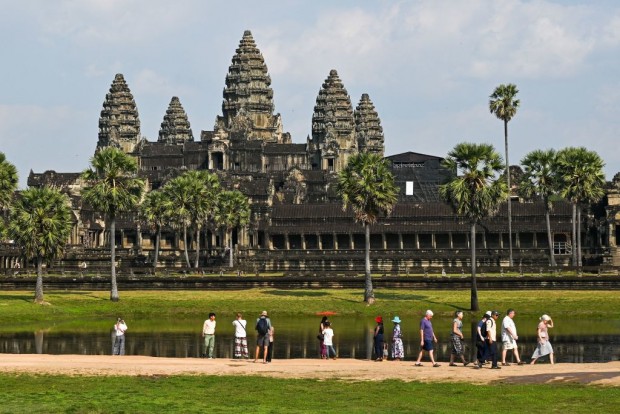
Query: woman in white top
{"type": "Point", "coordinates": [544, 346]}
{"type": "Point", "coordinates": [241, 340]}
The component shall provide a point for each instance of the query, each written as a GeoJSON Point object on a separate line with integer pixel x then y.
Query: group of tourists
{"type": "Point", "coordinates": [486, 339]}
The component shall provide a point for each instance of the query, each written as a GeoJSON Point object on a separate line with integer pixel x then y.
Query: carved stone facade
{"type": "Point", "coordinates": [368, 128]}
{"type": "Point", "coordinates": [119, 123]}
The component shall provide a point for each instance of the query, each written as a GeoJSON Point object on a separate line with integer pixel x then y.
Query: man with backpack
{"type": "Point", "coordinates": [491, 341]}
{"type": "Point", "coordinates": [263, 325]}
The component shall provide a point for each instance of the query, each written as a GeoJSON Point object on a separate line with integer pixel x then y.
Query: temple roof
{"type": "Point", "coordinates": [412, 157]}
{"type": "Point", "coordinates": [175, 128]}
{"type": "Point", "coordinates": [119, 123]}
{"type": "Point", "coordinates": [368, 130]}
{"type": "Point", "coordinates": [333, 114]}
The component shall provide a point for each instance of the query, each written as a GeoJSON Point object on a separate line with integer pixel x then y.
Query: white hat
{"type": "Point", "coordinates": [545, 318]}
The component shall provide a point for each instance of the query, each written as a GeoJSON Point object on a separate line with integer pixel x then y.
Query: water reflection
{"type": "Point", "coordinates": [289, 343]}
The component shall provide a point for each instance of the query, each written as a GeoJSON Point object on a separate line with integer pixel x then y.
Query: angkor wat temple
{"type": "Point", "coordinates": [297, 217]}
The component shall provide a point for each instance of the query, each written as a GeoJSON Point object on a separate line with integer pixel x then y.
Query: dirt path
{"type": "Point", "coordinates": [346, 369]}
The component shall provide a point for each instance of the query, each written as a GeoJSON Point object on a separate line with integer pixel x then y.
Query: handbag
{"type": "Point", "coordinates": [320, 337]}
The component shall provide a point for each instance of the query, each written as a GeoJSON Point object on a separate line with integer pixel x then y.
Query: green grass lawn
{"type": "Point", "coordinates": [70, 309]}
{"type": "Point", "coordinates": [194, 394]}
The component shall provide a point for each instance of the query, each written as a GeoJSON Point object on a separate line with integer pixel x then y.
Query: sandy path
{"type": "Point", "coordinates": [346, 369]}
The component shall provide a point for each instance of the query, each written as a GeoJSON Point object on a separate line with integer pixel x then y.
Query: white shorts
{"type": "Point", "coordinates": [512, 344]}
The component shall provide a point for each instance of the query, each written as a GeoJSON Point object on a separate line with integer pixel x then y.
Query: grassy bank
{"type": "Point", "coordinates": [27, 394]}
{"type": "Point", "coordinates": [20, 314]}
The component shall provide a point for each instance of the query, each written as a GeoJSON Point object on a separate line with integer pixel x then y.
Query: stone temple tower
{"type": "Point", "coordinates": [119, 124]}
{"type": "Point", "coordinates": [175, 128]}
{"type": "Point", "coordinates": [248, 98]}
{"type": "Point", "coordinates": [368, 130]}
{"type": "Point", "coordinates": [333, 127]}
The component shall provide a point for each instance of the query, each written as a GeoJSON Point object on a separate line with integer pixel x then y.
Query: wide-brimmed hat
{"type": "Point", "coordinates": [263, 313]}
{"type": "Point", "coordinates": [487, 314]}
{"type": "Point", "coordinates": [545, 318]}
{"type": "Point", "coordinates": [379, 319]}
{"type": "Point", "coordinates": [396, 319]}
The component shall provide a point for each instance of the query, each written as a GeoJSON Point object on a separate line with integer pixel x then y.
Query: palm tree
{"type": "Point", "coordinates": [503, 104]}
{"type": "Point", "coordinates": [8, 185]}
{"type": "Point", "coordinates": [233, 211]}
{"type": "Point", "coordinates": [112, 187]}
{"type": "Point", "coordinates": [367, 186]}
{"type": "Point", "coordinates": [155, 210]}
{"type": "Point", "coordinates": [193, 198]}
{"type": "Point", "coordinates": [40, 223]}
{"type": "Point", "coordinates": [476, 193]}
{"type": "Point", "coordinates": [582, 181]}
{"type": "Point", "coordinates": [540, 179]}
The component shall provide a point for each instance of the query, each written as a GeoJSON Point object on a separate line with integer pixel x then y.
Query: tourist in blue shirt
{"type": "Point", "coordinates": [427, 339]}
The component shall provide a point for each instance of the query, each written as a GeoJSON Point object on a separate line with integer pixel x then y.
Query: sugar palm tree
{"type": "Point", "coordinates": [193, 198]}
{"type": "Point", "coordinates": [582, 181]}
{"type": "Point", "coordinates": [178, 193]}
{"type": "Point", "coordinates": [540, 179]}
{"type": "Point", "coordinates": [476, 193]}
{"type": "Point", "coordinates": [233, 211]}
{"type": "Point", "coordinates": [366, 185]}
{"type": "Point", "coordinates": [8, 185]}
{"type": "Point", "coordinates": [112, 187]}
{"type": "Point", "coordinates": [155, 211]}
{"type": "Point", "coordinates": [503, 105]}
{"type": "Point", "coordinates": [40, 223]}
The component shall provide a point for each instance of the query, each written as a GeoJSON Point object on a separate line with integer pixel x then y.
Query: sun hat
{"type": "Point", "coordinates": [487, 314]}
{"type": "Point", "coordinates": [396, 319]}
{"type": "Point", "coordinates": [263, 313]}
{"type": "Point", "coordinates": [545, 318]}
{"type": "Point", "coordinates": [379, 319]}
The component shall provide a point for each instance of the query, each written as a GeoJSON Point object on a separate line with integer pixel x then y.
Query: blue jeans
{"type": "Point", "coordinates": [379, 346]}
{"type": "Point", "coordinates": [119, 345]}
{"type": "Point", "coordinates": [330, 351]}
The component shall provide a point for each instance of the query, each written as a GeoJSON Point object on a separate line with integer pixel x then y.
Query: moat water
{"type": "Point", "coordinates": [295, 337]}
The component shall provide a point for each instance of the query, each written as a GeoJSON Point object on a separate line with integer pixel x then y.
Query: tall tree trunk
{"type": "Point", "coordinates": [474, 287]}
{"type": "Point", "coordinates": [369, 294]}
{"type": "Point", "coordinates": [197, 261]}
{"type": "Point", "coordinates": [185, 245]}
{"type": "Point", "coordinates": [157, 243]}
{"type": "Point", "coordinates": [549, 235]}
{"type": "Point", "coordinates": [574, 235]}
{"type": "Point", "coordinates": [509, 194]}
{"type": "Point", "coordinates": [579, 236]}
{"type": "Point", "coordinates": [38, 290]}
{"type": "Point", "coordinates": [230, 248]}
{"type": "Point", "coordinates": [114, 291]}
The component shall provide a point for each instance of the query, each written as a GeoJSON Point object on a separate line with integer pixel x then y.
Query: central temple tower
{"type": "Point", "coordinates": [248, 98]}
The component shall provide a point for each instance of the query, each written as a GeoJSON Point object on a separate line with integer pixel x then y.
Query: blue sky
{"type": "Point", "coordinates": [428, 66]}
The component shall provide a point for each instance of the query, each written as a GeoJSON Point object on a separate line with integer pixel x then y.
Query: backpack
{"type": "Point", "coordinates": [483, 330]}
{"type": "Point", "coordinates": [262, 326]}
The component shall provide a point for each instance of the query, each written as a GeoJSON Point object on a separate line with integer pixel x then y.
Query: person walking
{"type": "Point", "coordinates": [481, 329]}
{"type": "Point", "coordinates": [322, 347]}
{"type": "Point", "coordinates": [328, 339]}
{"type": "Point", "coordinates": [509, 337]}
{"type": "Point", "coordinates": [120, 327]}
{"type": "Point", "coordinates": [263, 324]}
{"type": "Point", "coordinates": [544, 345]}
{"type": "Point", "coordinates": [491, 342]}
{"type": "Point", "coordinates": [241, 337]}
{"type": "Point", "coordinates": [378, 337]}
{"type": "Point", "coordinates": [427, 339]}
{"type": "Point", "coordinates": [208, 332]}
{"type": "Point", "coordinates": [457, 339]}
{"type": "Point", "coordinates": [398, 350]}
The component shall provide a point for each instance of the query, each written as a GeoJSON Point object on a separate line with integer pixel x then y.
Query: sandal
{"type": "Point", "coordinates": [417, 364]}
{"type": "Point", "coordinates": [435, 365]}
{"type": "Point", "coordinates": [452, 364]}
{"type": "Point", "coordinates": [506, 364]}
